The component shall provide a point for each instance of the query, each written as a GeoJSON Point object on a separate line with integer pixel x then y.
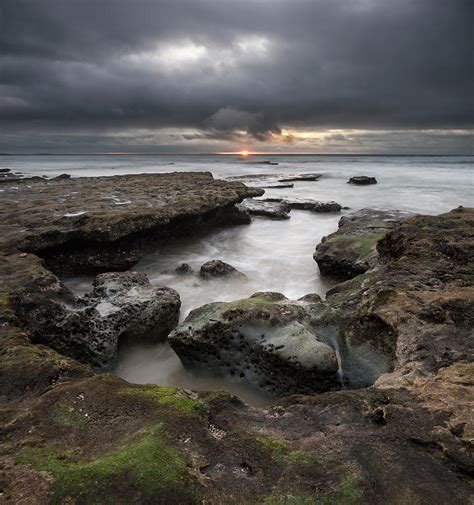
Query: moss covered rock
{"type": "Point", "coordinates": [265, 340]}
{"type": "Point", "coordinates": [351, 250]}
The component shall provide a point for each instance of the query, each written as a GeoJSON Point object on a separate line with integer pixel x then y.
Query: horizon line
{"type": "Point", "coordinates": [240, 154]}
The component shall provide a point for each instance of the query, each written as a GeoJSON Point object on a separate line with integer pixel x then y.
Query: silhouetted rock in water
{"type": "Point", "coordinates": [300, 177]}
{"type": "Point", "coordinates": [351, 250]}
{"type": "Point", "coordinates": [83, 437]}
{"type": "Point", "coordinates": [218, 268]}
{"type": "Point", "coordinates": [306, 204]}
{"type": "Point", "coordinates": [122, 305]}
{"type": "Point", "coordinates": [362, 180]}
{"type": "Point", "coordinates": [107, 223]}
{"type": "Point", "coordinates": [183, 269]}
{"type": "Point", "coordinates": [276, 209]}
{"type": "Point", "coordinates": [4, 170]}
{"type": "Point", "coordinates": [265, 339]}
{"type": "Point", "coordinates": [61, 177]}
{"type": "Point", "coordinates": [267, 162]}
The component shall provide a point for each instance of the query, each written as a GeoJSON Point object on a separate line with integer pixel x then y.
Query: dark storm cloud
{"type": "Point", "coordinates": [226, 67]}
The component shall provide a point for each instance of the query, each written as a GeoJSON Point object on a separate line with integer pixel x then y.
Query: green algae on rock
{"type": "Point", "coordinates": [265, 339]}
{"type": "Point", "coordinates": [351, 250]}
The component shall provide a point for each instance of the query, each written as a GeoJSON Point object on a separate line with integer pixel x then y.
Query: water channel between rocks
{"type": "Point", "coordinates": [275, 255]}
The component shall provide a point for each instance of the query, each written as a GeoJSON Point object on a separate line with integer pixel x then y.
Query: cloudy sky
{"type": "Point", "coordinates": [334, 76]}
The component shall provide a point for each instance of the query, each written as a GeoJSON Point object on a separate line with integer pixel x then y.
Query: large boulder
{"type": "Point", "coordinates": [352, 249]}
{"type": "Point", "coordinates": [266, 340]}
{"type": "Point", "coordinates": [121, 305]}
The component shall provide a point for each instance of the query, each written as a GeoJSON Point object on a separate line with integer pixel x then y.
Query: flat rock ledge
{"type": "Point", "coordinates": [264, 208]}
{"type": "Point", "coordinates": [352, 249]}
{"type": "Point", "coordinates": [279, 208]}
{"type": "Point", "coordinates": [108, 223]}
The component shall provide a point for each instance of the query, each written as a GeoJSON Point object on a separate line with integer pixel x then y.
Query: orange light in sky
{"type": "Point", "coordinates": [244, 153]}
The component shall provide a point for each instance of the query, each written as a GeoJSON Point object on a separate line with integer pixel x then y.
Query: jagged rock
{"type": "Point", "coordinates": [265, 340]}
{"type": "Point", "coordinates": [61, 177]}
{"type": "Point", "coordinates": [276, 209]}
{"type": "Point", "coordinates": [4, 170]}
{"type": "Point", "coordinates": [100, 224]}
{"type": "Point", "coordinates": [218, 268]}
{"type": "Point", "coordinates": [362, 180]}
{"type": "Point", "coordinates": [121, 305]}
{"type": "Point", "coordinates": [183, 269]}
{"type": "Point", "coordinates": [417, 309]}
{"type": "Point", "coordinates": [351, 250]}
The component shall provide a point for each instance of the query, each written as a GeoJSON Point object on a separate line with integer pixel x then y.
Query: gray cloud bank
{"type": "Point", "coordinates": [73, 72]}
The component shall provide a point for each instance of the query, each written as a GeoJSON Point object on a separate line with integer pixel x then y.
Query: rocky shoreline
{"type": "Point", "coordinates": [378, 377]}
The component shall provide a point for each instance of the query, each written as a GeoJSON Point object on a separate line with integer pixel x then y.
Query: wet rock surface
{"type": "Point", "coordinates": [184, 269]}
{"type": "Point", "coordinates": [300, 177]}
{"type": "Point", "coordinates": [69, 435]}
{"type": "Point", "coordinates": [276, 209]}
{"type": "Point", "coordinates": [265, 340]}
{"type": "Point", "coordinates": [362, 180]}
{"type": "Point", "coordinates": [121, 305]}
{"type": "Point", "coordinates": [108, 223]}
{"type": "Point", "coordinates": [217, 268]}
{"type": "Point", "coordinates": [306, 204]}
{"type": "Point", "coordinates": [352, 249]}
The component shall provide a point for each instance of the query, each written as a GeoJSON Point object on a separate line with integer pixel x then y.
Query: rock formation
{"type": "Point", "coordinates": [69, 435]}
{"type": "Point", "coordinates": [351, 250]}
{"type": "Point", "coordinates": [265, 339]}
{"type": "Point", "coordinates": [100, 224]}
{"type": "Point", "coordinates": [362, 180]}
{"type": "Point", "coordinates": [121, 305]}
{"type": "Point", "coordinates": [218, 268]}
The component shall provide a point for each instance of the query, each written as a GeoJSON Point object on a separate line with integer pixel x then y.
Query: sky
{"type": "Point", "coordinates": [199, 76]}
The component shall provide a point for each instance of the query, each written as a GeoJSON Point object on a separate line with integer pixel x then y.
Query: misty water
{"type": "Point", "coordinates": [275, 255]}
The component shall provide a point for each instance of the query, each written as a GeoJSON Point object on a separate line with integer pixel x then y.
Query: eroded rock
{"type": "Point", "coordinates": [121, 305]}
{"type": "Point", "coordinates": [351, 250]}
{"type": "Point", "coordinates": [265, 339]}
